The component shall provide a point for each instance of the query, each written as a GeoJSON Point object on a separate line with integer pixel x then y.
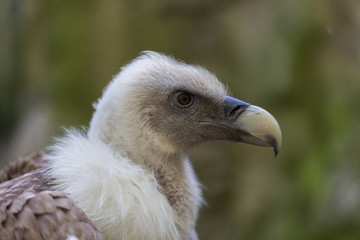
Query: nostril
{"type": "Point", "coordinates": [236, 111]}
{"type": "Point", "coordinates": [233, 107]}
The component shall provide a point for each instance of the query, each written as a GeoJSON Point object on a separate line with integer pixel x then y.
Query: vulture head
{"type": "Point", "coordinates": [158, 105]}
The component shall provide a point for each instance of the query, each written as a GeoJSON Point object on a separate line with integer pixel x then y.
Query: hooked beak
{"type": "Point", "coordinates": [251, 124]}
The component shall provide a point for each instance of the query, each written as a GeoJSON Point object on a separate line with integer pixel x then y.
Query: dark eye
{"type": "Point", "coordinates": [184, 99]}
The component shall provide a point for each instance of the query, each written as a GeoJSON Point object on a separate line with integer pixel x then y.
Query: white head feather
{"type": "Point", "coordinates": [130, 102]}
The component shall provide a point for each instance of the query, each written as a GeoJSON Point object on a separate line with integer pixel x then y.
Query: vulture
{"type": "Point", "coordinates": [128, 176]}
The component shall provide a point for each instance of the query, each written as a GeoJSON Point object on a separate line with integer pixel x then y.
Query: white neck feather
{"type": "Point", "coordinates": [124, 199]}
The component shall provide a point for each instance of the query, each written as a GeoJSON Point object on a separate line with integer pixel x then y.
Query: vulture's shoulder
{"type": "Point", "coordinates": [21, 166]}
{"type": "Point", "coordinates": [31, 209]}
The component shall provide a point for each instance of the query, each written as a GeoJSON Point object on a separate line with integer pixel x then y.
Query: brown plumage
{"type": "Point", "coordinates": [31, 209]}
{"type": "Point", "coordinates": [21, 166]}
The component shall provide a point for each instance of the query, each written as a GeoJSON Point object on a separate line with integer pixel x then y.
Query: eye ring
{"type": "Point", "coordinates": [184, 99]}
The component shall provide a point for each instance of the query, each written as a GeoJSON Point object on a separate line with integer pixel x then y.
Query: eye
{"type": "Point", "coordinates": [184, 99]}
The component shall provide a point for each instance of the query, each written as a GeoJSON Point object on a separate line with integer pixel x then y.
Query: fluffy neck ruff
{"type": "Point", "coordinates": [126, 200]}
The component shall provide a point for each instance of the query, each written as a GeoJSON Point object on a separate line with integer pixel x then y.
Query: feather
{"type": "Point", "coordinates": [30, 209]}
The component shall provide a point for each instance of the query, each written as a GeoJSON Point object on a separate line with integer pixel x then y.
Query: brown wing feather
{"type": "Point", "coordinates": [31, 209]}
{"type": "Point", "coordinates": [21, 166]}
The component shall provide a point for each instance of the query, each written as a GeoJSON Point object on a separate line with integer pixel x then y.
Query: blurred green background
{"type": "Point", "coordinates": [299, 59]}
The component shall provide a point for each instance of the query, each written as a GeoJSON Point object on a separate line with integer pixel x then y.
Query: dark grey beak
{"type": "Point", "coordinates": [252, 124]}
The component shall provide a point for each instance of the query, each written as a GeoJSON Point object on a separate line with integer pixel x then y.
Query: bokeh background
{"type": "Point", "coordinates": [299, 59]}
